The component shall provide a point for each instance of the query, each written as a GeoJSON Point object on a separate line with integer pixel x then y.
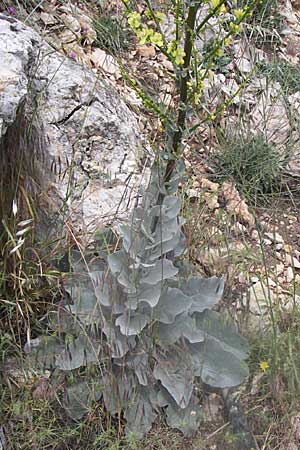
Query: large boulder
{"type": "Point", "coordinates": [89, 153]}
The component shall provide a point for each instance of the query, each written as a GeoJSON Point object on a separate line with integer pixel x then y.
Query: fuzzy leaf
{"type": "Point", "coordinates": [184, 326]}
{"type": "Point", "coordinates": [162, 270]}
{"type": "Point", "coordinates": [170, 305]}
{"type": "Point", "coordinates": [219, 360]}
{"type": "Point", "coordinates": [204, 292]}
{"type": "Point", "coordinates": [140, 414]}
{"type": "Point", "coordinates": [80, 396]}
{"type": "Point", "coordinates": [175, 370]}
{"type": "Point", "coordinates": [132, 323]}
{"type": "Point", "coordinates": [116, 261]}
{"type": "Point", "coordinates": [147, 293]}
{"type": "Point", "coordinates": [119, 343]}
{"type": "Point", "coordinates": [187, 420]}
{"type": "Point", "coordinates": [222, 332]}
{"type": "Point", "coordinates": [119, 389]}
{"type": "Point", "coordinates": [44, 350]}
{"type": "Point", "coordinates": [86, 305]}
{"type": "Point", "coordinates": [80, 352]}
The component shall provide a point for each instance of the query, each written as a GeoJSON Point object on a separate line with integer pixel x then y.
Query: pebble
{"type": "Point", "coordinates": [292, 261]}
{"type": "Point", "coordinates": [275, 237]}
{"type": "Point", "coordinates": [267, 241]}
{"type": "Point", "coordinates": [289, 274]}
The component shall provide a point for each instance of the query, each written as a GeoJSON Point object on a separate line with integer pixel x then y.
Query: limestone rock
{"type": "Point", "coordinates": [92, 140]}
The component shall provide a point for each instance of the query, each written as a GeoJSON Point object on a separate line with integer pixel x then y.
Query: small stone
{"type": "Point", "coordinates": [289, 274]}
{"type": "Point", "coordinates": [275, 237]}
{"type": "Point", "coordinates": [292, 261]}
{"type": "Point", "coordinates": [255, 234]}
{"type": "Point", "coordinates": [211, 200]}
{"type": "Point", "coordinates": [279, 256]}
{"type": "Point", "coordinates": [146, 51]}
{"type": "Point", "coordinates": [205, 183]}
{"type": "Point", "coordinates": [279, 246]}
{"type": "Point", "coordinates": [267, 241]}
{"type": "Point", "coordinates": [241, 229]}
{"type": "Point", "coordinates": [270, 282]}
{"type": "Point", "coordinates": [279, 268]}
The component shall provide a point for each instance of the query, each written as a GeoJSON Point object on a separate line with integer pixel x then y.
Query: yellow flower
{"type": "Point", "coordinates": [264, 365]}
{"type": "Point", "coordinates": [238, 13]}
{"type": "Point", "coordinates": [160, 16]}
{"type": "Point", "coordinates": [172, 46]}
{"type": "Point", "coordinates": [227, 41]}
{"type": "Point", "coordinates": [216, 3]}
{"type": "Point", "coordinates": [134, 20]}
{"type": "Point", "coordinates": [144, 35]}
{"type": "Point", "coordinates": [197, 96]}
{"type": "Point", "coordinates": [179, 54]}
{"type": "Point", "coordinates": [219, 52]}
{"type": "Point", "coordinates": [234, 27]}
{"type": "Point", "coordinates": [156, 39]}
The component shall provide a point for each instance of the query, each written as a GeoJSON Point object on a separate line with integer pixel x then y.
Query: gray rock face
{"type": "Point", "coordinates": [92, 143]}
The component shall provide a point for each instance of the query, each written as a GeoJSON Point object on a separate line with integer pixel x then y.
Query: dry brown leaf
{"type": "Point", "coordinates": [146, 51]}
{"type": "Point", "coordinates": [106, 62]}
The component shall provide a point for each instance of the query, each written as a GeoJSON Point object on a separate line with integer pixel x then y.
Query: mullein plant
{"type": "Point", "coordinates": [148, 326]}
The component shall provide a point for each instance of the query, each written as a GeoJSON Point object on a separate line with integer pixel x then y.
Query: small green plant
{"type": "Point", "coordinates": [285, 73]}
{"type": "Point", "coordinates": [154, 327]}
{"type": "Point", "coordinates": [112, 35]}
{"type": "Point", "coordinates": [252, 163]}
{"type": "Point", "coordinates": [265, 24]}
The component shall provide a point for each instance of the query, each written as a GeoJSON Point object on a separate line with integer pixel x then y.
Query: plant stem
{"type": "Point", "coordinates": [176, 138]}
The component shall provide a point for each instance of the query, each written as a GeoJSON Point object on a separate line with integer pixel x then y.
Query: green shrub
{"type": "Point", "coordinates": [112, 35]}
{"type": "Point", "coordinates": [252, 163]}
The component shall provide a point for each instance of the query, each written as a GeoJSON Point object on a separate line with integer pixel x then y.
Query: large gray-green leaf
{"type": "Point", "coordinates": [44, 350]}
{"type": "Point", "coordinates": [161, 248]}
{"type": "Point", "coordinates": [147, 293]}
{"type": "Point", "coordinates": [108, 293]}
{"type": "Point", "coordinates": [80, 397]}
{"type": "Point", "coordinates": [184, 326]}
{"type": "Point", "coordinates": [131, 323]}
{"type": "Point", "coordinates": [116, 261]}
{"type": "Point", "coordinates": [139, 414]}
{"type": "Point", "coordinates": [187, 420]}
{"type": "Point", "coordinates": [204, 292]}
{"type": "Point", "coordinates": [79, 352]}
{"type": "Point", "coordinates": [120, 386]}
{"type": "Point", "coordinates": [175, 370]}
{"type": "Point", "coordinates": [216, 367]}
{"type": "Point", "coordinates": [223, 332]}
{"type": "Point", "coordinates": [219, 360]}
{"type": "Point", "coordinates": [138, 362]}
{"type": "Point", "coordinates": [162, 270]}
{"type": "Point", "coordinates": [119, 343]}
{"type": "Point", "coordinates": [171, 304]}
{"type": "Point", "coordinates": [86, 305]}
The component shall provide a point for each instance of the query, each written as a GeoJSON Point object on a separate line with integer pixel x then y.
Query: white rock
{"type": "Point", "coordinates": [77, 114]}
{"type": "Point", "coordinates": [289, 274]}
{"type": "Point", "coordinates": [275, 237]}
{"type": "Point", "coordinates": [267, 242]}
{"type": "Point", "coordinates": [292, 261]}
